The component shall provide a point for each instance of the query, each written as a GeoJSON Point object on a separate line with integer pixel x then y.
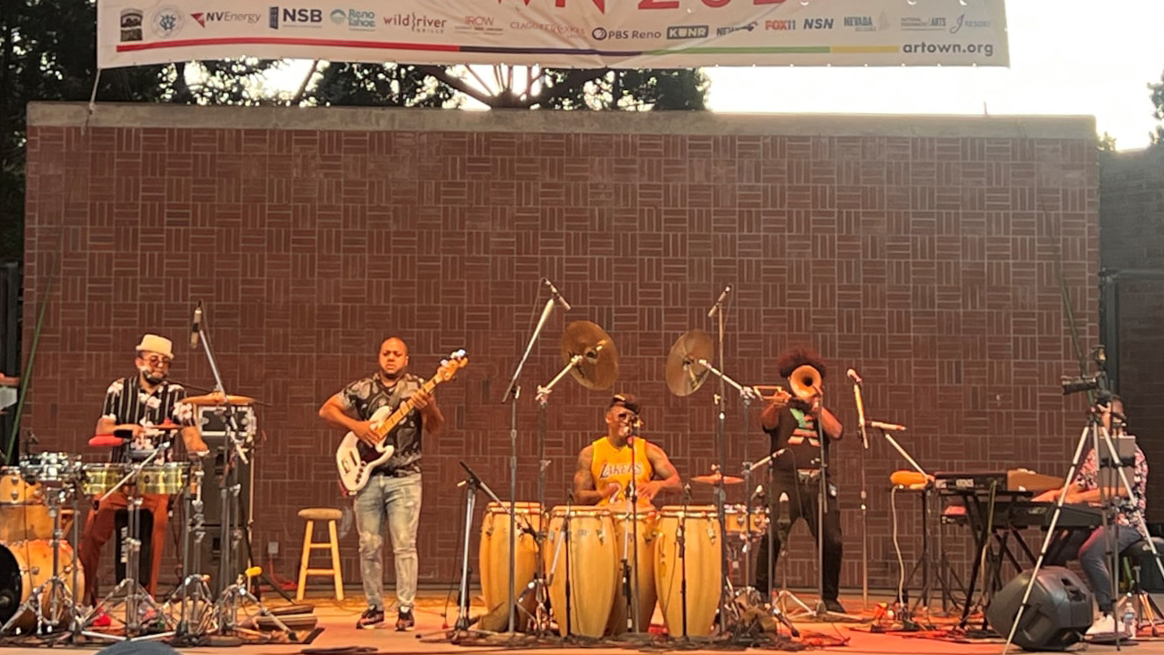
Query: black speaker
{"type": "Point", "coordinates": [1058, 610]}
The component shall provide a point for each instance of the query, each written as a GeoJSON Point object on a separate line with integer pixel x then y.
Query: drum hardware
{"type": "Point", "coordinates": [136, 598]}
{"type": "Point", "coordinates": [194, 621]}
{"type": "Point", "coordinates": [53, 603]}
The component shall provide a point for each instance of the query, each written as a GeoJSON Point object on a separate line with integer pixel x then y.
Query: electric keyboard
{"type": "Point", "coordinates": [984, 481]}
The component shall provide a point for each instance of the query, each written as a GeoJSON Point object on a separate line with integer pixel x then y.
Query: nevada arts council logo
{"type": "Point", "coordinates": [167, 21]}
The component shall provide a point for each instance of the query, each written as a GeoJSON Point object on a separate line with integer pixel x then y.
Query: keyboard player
{"type": "Point", "coordinates": [1128, 524]}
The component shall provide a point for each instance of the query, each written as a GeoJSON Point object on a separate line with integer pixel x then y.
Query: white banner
{"type": "Point", "coordinates": [559, 33]}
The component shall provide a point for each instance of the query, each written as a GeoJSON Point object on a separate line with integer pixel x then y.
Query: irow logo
{"type": "Point", "coordinates": [417, 22]}
{"type": "Point", "coordinates": [204, 17]}
{"type": "Point", "coordinates": [356, 19]}
{"type": "Point", "coordinates": [294, 17]}
{"type": "Point", "coordinates": [677, 32]}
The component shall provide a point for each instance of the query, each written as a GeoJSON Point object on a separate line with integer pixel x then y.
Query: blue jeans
{"type": "Point", "coordinates": [398, 501]}
{"type": "Point", "coordinates": [1091, 551]}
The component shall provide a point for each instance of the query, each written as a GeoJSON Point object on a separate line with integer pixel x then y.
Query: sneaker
{"type": "Point", "coordinates": [1104, 625]}
{"type": "Point", "coordinates": [833, 605]}
{"type": "Point", "coordinates": [404, 621]}
{"type": "Point", "coordinates": [372, 618]}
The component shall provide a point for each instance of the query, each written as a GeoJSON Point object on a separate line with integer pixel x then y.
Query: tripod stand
{"type": "Point", "coordinates": [1093, 432]}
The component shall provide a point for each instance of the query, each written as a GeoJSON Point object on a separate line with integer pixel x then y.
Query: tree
{"type": "Point", "coordinates": [1107, 143]}
{"type": "Point", "coordinates": [1157, 96]}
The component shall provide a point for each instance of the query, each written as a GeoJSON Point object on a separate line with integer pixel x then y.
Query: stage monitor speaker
{"type": "Point", "coordinates": [1058, 611]}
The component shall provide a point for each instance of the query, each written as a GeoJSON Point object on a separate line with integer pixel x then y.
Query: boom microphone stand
{"type": "Point", "coordinates": [512, 393]}
{"type": "Point", "coordinates": [721, 446]}
{"type": "Point", "coordinates": [856, 379]}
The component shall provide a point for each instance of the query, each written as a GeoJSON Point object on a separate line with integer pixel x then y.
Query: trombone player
{"type": "Point", "coordinates": [796, 423]}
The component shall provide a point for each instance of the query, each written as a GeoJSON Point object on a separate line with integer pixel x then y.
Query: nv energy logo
{"type": "Point", "coordinates": [294, 17]}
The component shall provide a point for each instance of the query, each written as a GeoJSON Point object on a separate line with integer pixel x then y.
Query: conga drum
{"type": "Point", "coordinates": [644, 571]}
{"type": "Point", "coordinates": [493, 554]}
{"type": "Point", "coordinates": [701, 566]}
{"type": "Point", "coordinates": [585, 560]}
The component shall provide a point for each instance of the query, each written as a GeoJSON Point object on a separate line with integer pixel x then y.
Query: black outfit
{"type": "Point", "coordinates": [796, 473]}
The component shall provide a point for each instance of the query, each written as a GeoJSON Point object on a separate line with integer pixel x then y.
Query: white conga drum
{"type": "Point", "coordinates": [701, 565]}
{"type": "Point", "coordinates": [592, 560]}
{"type": "Point", "coordinates": [626, 524]}
{"type": "Point", "coordinates": [493, 554]}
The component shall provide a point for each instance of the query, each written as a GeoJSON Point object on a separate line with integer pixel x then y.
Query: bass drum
{"type": "Point", "coordinates": [23, 514]}
{"type": "Point", "coordinates": [26, 565]}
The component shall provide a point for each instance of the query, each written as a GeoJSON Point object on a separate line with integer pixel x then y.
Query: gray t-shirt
{"type": "Point", "coordinates": [366, 395]}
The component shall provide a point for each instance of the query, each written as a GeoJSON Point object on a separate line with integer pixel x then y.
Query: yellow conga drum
{"type": "Point", "coordinates": [586, 561]}
{"type": "Point", "coordinates": [701, 565]}
{"type": "Point", "coordinates": [493, 553]}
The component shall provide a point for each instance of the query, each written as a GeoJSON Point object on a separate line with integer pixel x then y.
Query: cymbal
{"type": "Point", "coordinates": [218, 398]}
{"type": "Point", "coordinates": [684, 376]}
{"type": "Point", "coordinates": [598, 368]}
{"type": "Point", "coordinates": [715, 478]}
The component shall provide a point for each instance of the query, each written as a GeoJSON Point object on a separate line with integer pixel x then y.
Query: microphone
{"type": "Point", "coordinates": [860, 406]}
{"type": "Point", "coordinates": [719, 301]}
{"type": "Point", "coordinates": [196, 326]}
{"type": "Point", "coordinates": [853, 376]}
{"type": "Point", "coordinates": [891, 427]}
{"type": "Point", "coordinates": [783, 520]}
{"type": "Point", "coordinates": [554, 292]}
{"type": "Point", "coordinates": [687, 491]}
{"type": "Point", "coordinates": [758, 493]}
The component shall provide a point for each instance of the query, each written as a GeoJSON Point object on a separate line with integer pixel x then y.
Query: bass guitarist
{"type": "Point", "coordinates": [393, 491]}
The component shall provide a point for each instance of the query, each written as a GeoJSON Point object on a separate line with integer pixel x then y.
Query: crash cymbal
{"type": "Point", "coordinates": [599, 366]}
{"type": "Point", "coordinates": [684, 376]}
{"type": "Point", "coordinates": [218, 398]}
{"type": "Point", "coordinates": [715, 478]}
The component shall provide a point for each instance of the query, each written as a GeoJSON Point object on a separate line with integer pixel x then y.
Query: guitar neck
{"type": "Point", "coordinates": [404, 408]}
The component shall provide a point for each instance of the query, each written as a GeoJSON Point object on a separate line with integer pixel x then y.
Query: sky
{"type": "Point", "coordinates": [1067, 57]}
{"type": "Point", "coordinates": [1093, 57]}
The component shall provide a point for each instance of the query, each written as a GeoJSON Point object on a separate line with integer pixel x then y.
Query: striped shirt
{"type": "Point", "coordinates": [127, 402]}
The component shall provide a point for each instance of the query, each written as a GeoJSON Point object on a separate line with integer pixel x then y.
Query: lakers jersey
{"type": "Point", "coordinates": [614, 464]}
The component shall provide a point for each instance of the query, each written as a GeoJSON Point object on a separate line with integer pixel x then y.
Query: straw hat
{"type": "Point", "coordinates": [155, 344]}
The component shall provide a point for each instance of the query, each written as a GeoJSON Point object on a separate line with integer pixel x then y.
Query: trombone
{"type": "Point", "coordinates": [804, 382]}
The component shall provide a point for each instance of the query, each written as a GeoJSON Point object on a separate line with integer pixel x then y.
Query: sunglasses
{"type": "Point", "coordinates": [157, 360]}
{"type": "Point", "coordinates": [622, 416]}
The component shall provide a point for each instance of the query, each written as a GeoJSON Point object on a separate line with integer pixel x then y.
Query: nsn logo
{"type": "Point", "coordinates": [295, 17]}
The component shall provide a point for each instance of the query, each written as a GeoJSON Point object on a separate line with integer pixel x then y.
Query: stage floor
{"type": "Point", "coordinates": [338, 621]}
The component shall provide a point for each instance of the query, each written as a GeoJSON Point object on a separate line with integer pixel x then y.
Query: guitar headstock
{"type": "Point", "coordinates": [449, 367]}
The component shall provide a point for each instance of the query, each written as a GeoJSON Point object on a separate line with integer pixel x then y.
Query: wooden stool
{"type": "Point", "coordinates": [313, 514]}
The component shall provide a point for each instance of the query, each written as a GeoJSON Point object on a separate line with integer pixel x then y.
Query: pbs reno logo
{"type": "Point", "coordinates": [603, 34]}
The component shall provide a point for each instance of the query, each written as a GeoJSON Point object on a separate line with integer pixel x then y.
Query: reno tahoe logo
{"type": "Point", "coordinates": [417, 22]}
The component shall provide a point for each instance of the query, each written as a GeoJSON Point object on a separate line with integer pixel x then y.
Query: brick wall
{"type": "Point", "coordinates": [921, 251]}
{"type": "Point", "coordinates": [1132, 231]}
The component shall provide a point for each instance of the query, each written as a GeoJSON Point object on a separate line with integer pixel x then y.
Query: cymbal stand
{"type": "Point", "coordinates": [53, 602]}
{"type": "Point", "coordinates": [193, 594]}
{"type": "Point", "coordinates": [721, 447]}
{"type": "Point", "coordinates": [512, 393]}
{"type": "Point", "coordinates": [227, 606]}
{"type": "Point", "coordinates": [134, 594]}
{"type": "Point", "coordinates": [539, 585]}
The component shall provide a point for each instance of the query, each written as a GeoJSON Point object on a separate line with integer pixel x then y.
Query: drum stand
{"type": "Point", "coordinates": [135, 597]}
{"type": "Point", "coordinates": [53, 601]}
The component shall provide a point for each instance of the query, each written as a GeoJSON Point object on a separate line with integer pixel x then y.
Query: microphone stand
{"type": "Point", "coordinates": [864, 490]}
{"type": "Point", "coordinates": [474, 484]}
{"type": "Point", "coordinates": [721, 448]}
{"type": "Point", "coordinates": [774, 523]}
{"type": "Point", "coordinates": [512, 393]}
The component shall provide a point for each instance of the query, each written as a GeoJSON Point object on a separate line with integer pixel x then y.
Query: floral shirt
{"type": "Point", "coordinates": [127, 402]}
{"type": "Point", "coordinates": [1131, 510]}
